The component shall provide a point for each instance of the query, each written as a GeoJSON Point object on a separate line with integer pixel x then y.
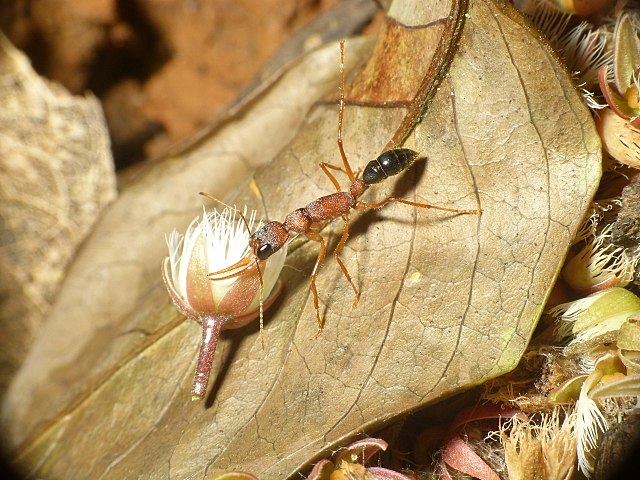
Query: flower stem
{"type": "Point", "coordinates": [211, 326]}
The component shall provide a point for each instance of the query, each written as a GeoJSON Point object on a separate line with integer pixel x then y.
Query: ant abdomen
{"type": "Point", "coordinates": [389, 163]}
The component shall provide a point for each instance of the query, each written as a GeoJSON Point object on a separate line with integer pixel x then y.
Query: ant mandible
{"type": "Point", "coordinates": [307, 220]}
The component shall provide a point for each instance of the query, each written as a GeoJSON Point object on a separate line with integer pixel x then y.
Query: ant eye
{"type": "Point", "coordinates": [264, 251]}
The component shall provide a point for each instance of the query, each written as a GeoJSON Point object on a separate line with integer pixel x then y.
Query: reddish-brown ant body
{"type": "Point", "coordinates": [307, 220]}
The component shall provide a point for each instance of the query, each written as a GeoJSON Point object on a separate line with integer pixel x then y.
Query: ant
{"type": "Point", "coordinates": [307, 220]}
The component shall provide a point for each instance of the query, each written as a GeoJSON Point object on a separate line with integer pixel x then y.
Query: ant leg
{"type": "Point", "coordinates": [367, 206]}
{"type": "Point", "coordinates": [325, 168]}
{"type": "Point", "coordinates": [336, 253]}
{"type": "Point", "coordinates": [347, 167]}
{"type": "Point", "coordinates": [339, 169]}
{"type": "Point", "coordinates": [316, 237]}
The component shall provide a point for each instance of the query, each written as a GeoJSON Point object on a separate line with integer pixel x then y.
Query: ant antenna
{"type": "Point", "coordinates": [246, 224]}
{"type": "Point", "coordinates": [244, 219]}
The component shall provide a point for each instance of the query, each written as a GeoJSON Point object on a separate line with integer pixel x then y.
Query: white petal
{"type": "Point", "coordinates": [225, 238]}
{"type": "Point", "coordinates": [589, 424]}
{"type": "Point", "coordinates": [180, 250]}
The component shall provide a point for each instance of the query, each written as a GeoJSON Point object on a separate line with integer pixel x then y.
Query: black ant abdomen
{"type": "Point", "coordinates": [389, 163]}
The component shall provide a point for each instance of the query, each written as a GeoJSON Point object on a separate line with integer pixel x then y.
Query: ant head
{"type": "Point", "coordinates": [268, 239]}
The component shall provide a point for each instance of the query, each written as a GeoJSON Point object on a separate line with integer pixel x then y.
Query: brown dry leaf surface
{"type": "Point", "coordinates": [447, 301]}
{"type": "Point", "coordinates": [56, 175]}
{"type": "Point", "coordinates": [112, 305]}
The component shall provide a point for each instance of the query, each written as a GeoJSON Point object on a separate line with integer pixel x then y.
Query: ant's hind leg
{"type": "Point", "coordinates": [367, 206]}
{"type": "Point", "coordinates": [336, 253]}
{"type": "Point", "coordinates": [316, 237]}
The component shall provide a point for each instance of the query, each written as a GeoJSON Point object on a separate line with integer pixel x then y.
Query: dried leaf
{"type": "Point", "coordinates": [56, 175]}
{"type": "Point", "coordinates": [447, 301]}
{"type": "Point", "coordinates": [379, 473]}
{"type": "Point", "coordinates": [234, 476]}
{"type": "Point", "coordinates": [113, 309]}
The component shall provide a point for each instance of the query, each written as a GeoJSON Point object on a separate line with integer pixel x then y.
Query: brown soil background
{"type": "Point", "coordinates": [161, 68]}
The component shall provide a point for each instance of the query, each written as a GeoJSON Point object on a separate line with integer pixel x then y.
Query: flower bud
{"type": "Point", "coordinates": [214, 278]}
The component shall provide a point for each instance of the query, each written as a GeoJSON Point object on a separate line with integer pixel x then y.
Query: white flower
{"type": "Point", "coordinates": [213, 277]}
{"type": "Point", "coordinates": [599, 265]}
{"type": "Point", "coordinates": [590, 424]}
{"type": "Point", "coordinates": [215, 243]}
{"type": "Point", "coordinates": [588, 318]}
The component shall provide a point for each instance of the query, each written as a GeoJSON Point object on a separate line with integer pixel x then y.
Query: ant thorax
{"type": "Point", "coordinates": [298, 221]}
